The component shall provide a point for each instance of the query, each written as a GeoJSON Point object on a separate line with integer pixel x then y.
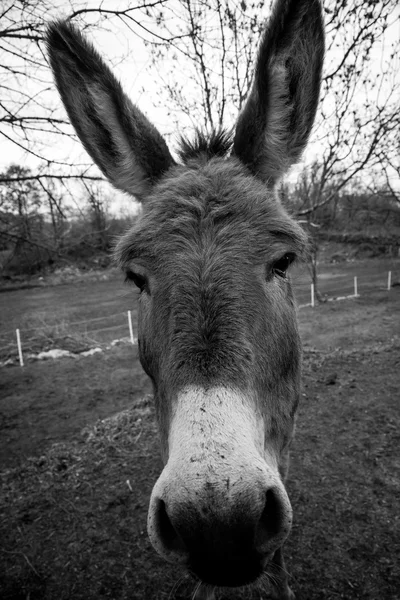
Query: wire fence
{"type": "Point", "coordinates": [331, 287]}
{"type": "Point", "coordinates": [339, 286]}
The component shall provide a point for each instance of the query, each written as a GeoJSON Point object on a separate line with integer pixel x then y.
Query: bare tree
{"type": "Point", "coordinates": [390, 161]}
{"type": "Point", "coordinates": [21, 223]}
{"type": "Point", "coordinates": [31, 118]}
{"type": "Point", "coordinates": [206, 74]}
{"type": "Point", "coordinates": [202, 51]}
{"type": "Point", "coordinates": [34, 127]}
{"type": "Point", "coordinates": [359, 104]}
{"type": "Point", "coordinates": [97, 213]}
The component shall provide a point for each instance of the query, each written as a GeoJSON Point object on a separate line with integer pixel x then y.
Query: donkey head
{"type": "Point", "coordinates": [217, 324]}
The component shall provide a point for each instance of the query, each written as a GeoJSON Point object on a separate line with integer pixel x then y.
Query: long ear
{"type": "Point", "coordinates": [273, 129]}
{"type": "Point", "coordinates": [121, 140]}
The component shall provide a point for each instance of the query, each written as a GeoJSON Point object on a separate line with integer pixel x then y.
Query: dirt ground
{"type": "Point", "coordinates": [51, 401]}
{"type": "Point", "coordinates": [73, 516]}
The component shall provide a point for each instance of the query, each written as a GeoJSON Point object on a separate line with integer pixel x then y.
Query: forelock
{"type": "Point", "coordinates": [220, 197]}
{"type": "Point", "coordinates": [218, 143]}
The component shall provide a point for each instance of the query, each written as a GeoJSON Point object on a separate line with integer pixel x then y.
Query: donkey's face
{"type": "Point", "coordinates": [218, 337]}
{"type": "Point", "coordinates": [217, 324]}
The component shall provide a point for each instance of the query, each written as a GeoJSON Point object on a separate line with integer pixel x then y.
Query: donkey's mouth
{"type": "Point", "coordinates": [226, 572]}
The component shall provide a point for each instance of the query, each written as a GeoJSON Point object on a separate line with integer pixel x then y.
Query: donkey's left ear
{"type": "Point", "coordinates": [123, 143]}
{"type": "Point", "coordinates": [273, 129]}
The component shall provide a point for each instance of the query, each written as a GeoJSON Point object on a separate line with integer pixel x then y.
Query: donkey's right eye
{"type": "Point", "coordinates": [138, 280]}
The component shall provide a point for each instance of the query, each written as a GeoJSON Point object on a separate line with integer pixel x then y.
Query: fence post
{"type": "Point", "coordinates": [130, 326]}
{"type": "Point", "coordinates": [389, 280]}
{"type": "Point", "coordinates": [312, 296]}
{"type": "Point", "coordinates": [355, 286]}
{"type": "Point", "coordinates": [21, 358]}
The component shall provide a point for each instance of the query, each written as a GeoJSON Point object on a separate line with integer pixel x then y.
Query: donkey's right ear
{"type": "Point", "coordinates": [123, 143]}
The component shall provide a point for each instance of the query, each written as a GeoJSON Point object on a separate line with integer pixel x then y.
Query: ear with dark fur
{"type": "Point", "coordinates": [273, 129]}
{"type": "Point", "coordinates": [121, 140]}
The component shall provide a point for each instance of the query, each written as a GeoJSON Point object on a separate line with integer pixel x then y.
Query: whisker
{"type": "Point", "coordinates": [176, 586]}
{"type": "Point", "coordinates": [281, 569]}
{"type": "Point", "coordinates": [206, 592]}
{"type": "Point", "coordinates": [275, 566]}
{"type": "Point", "coordinates": [266, 581]}
{"type": "Point", "coordinates": [196, 589]}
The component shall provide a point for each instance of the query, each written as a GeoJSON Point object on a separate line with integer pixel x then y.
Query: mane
{"type": "Point", "coordinates": [216, 143]}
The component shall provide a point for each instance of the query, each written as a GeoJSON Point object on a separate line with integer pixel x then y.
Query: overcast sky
{"type": "Point", "coordinates": [133, 71]}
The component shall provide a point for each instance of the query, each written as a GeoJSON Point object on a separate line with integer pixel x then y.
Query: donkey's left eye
{"type": "Point", "coordinates": [281, 266]}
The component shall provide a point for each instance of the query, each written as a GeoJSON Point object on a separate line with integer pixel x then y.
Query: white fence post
{"type": "Point", "coordinates": [355, 287]}
{"type": "Point", "coordinates": [21, 358]}
{"type": "Point", "coordinates": [389, 280]}
{"type": "Point", "coordinates": [130, 326]}
{"type": "Point", "coordinates": [312, 296]}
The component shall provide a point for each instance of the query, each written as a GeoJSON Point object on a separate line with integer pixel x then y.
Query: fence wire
{"type": "Point", "coordinates": [331, 288]}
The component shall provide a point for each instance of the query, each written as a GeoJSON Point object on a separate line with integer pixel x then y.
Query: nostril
{"type": "Point", "coordinates": [169, 537]}
{"type": "Point", "coordinates": [272, 521]}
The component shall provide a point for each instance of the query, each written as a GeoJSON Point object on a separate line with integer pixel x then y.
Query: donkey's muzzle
{"type": "Point", "coordinates": [222, 544]}
{"type": "Point", "coordinates": [219, 506]}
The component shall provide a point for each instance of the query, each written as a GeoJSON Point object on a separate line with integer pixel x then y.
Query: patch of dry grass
{"type": "Point", "coordinates": [73, 521]}
{"type": "Point", "coordinates": [73, 517]}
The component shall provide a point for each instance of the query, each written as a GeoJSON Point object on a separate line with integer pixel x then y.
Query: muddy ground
{"type": "Point", "coordinates": [73, 515]}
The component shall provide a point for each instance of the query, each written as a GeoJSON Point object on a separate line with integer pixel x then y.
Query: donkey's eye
{"type": "Point", "coordinates": [281, 266]}
{"type": "Point", "coordinates": [138, 280]}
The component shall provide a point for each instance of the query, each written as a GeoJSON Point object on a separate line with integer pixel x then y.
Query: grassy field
{"type": "Point", "coordinates": [73, 514]}
{"type": "Point", "coordinates": [86, 311]}
{"type": "Point", "coordinates": [79, 315]}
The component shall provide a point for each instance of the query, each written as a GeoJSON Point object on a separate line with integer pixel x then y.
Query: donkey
{"type": "Point", "coordinates": [217, 330]}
